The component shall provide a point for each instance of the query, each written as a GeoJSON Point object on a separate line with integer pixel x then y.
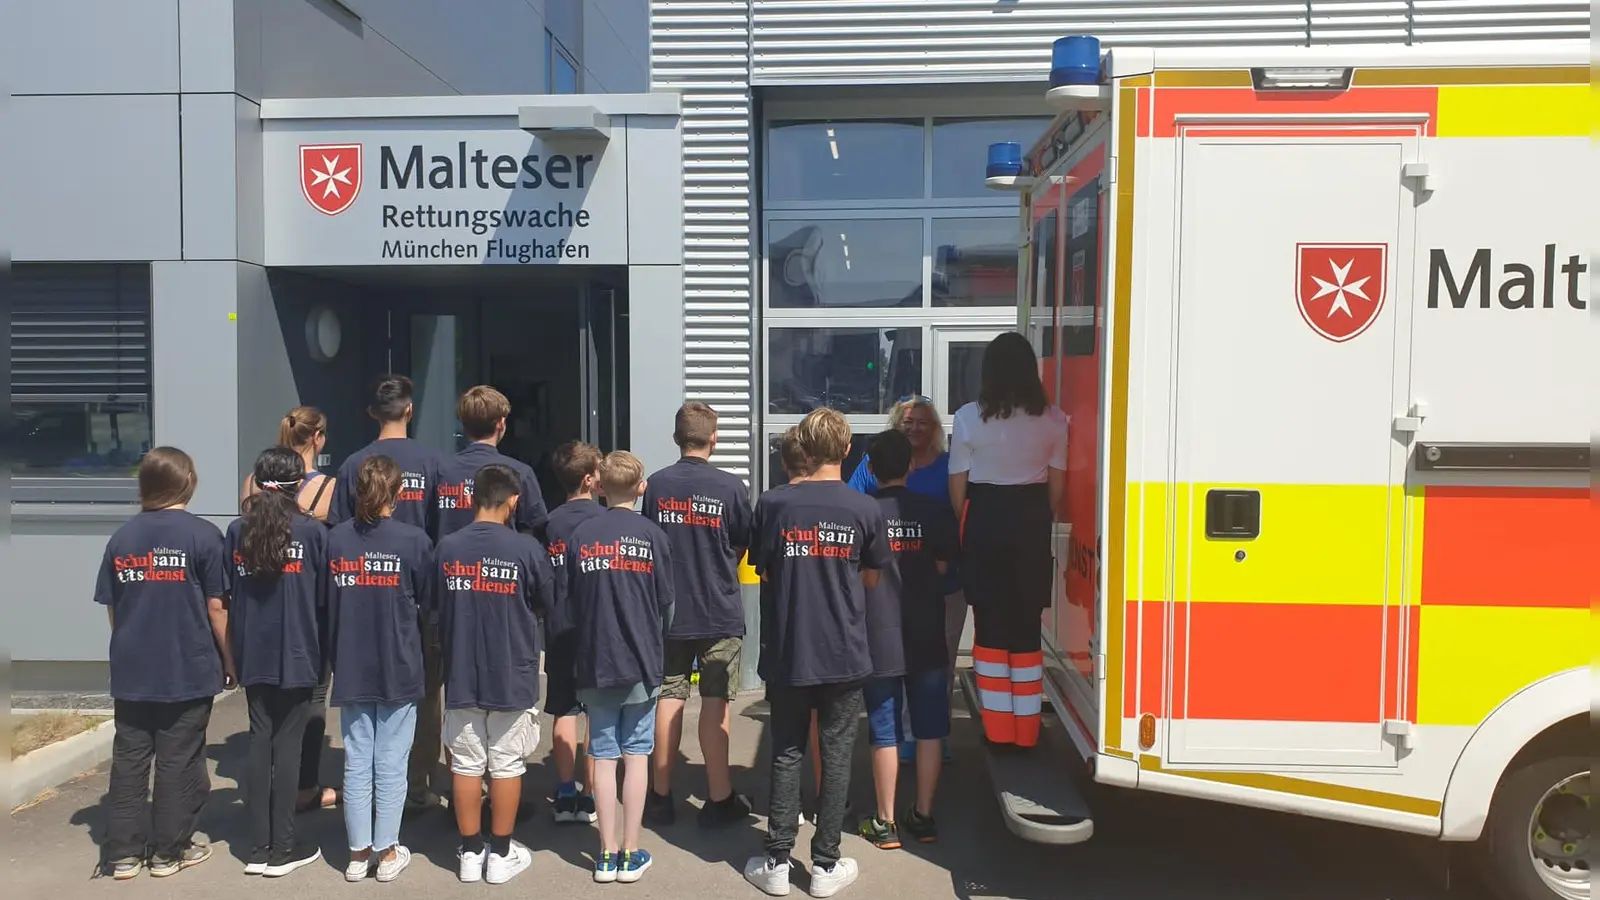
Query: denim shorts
{"type": "Point", "coordinates": [618, 729]}
{"type": "Point", "coordinates": [924, 694]}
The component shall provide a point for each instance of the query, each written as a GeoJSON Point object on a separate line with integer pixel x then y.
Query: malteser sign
{"type": "Point", "coordinates": [394, 193]}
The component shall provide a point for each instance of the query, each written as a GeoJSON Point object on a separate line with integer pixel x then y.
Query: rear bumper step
{"type": "Point", "coordinates": [1037, 788]}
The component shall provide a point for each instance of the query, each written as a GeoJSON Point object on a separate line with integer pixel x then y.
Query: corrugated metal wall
{"type": "Point", "coordinates": [714, 50]}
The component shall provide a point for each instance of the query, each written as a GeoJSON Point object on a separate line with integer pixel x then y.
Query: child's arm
{"type": "Point", "coordinates": [217, 611]}
{"type": "Point", "coordinates": [210, 572]}
{"type": "Point", "coordinates": [665, 599]}
{"type": "Point", "coordinates": [875, 553]}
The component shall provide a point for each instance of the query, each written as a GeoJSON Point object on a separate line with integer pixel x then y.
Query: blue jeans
{"type": "Point", "coordinates": [923, 697]}
{"type": "Point", "coordinates": [377, 744]}
{"type": "Point", "coordinates": [618, 729]}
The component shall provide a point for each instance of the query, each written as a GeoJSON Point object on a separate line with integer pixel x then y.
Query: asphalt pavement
{"type": "Point", "coordinates": [1145, 846]}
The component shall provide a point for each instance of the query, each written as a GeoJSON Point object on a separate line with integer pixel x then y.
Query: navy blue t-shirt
{"type": "Point", "coordinates": [159, 570]}
{"type": "Point", "coordinates": [619, 571]}
{"type": "Point", "coordinates": [455, 490]}
{"type": "Point", "coordinates": [278, 621]}
{"type": "Point", "coordinates": [380, 579]}
{"type": "Point", "coordinates": [905, 612]}
{"type": "Point", "coordinates": [706, 514]}
{"type": "Point", "coordinates": [564, 520]}
{"type": "Point", "coordinates": [419, 483]}
{"type": "Point", "coordinates": [493, 584]}
{"type": "Point", "coordinates": [812, 539]}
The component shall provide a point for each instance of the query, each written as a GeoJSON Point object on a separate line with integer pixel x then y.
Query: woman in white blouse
{"type": "Point", "coordinates": [1008, 460]}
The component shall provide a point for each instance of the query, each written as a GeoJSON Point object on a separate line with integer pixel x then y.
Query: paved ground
{"type": "Point", "coordinates": [1145, 847]}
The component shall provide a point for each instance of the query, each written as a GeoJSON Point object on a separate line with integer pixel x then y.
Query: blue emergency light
{"type": "Point", "coordinates": [1005, 159]}
{"type": "Point", "coordinates": [1075, 59]}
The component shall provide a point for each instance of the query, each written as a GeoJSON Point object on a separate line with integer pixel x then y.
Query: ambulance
{"type": "Point", "coordinates": [1318, 316]}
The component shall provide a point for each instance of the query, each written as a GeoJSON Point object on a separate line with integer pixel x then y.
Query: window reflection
{"type": "Point", "coordinates": [844, 263]}
{"type": "Point", "coordinates": [845, 160]}
{"type": "Point", "coordinates": [776, 475]}
{"type": "Point", "coordinates": [853, 370]}
{"type": "Point", "coordinates": [961, 146]}
{"type": "Point", "coordinates": [974, 262]}
{"type": "Point", "coordinates": [964, 363]}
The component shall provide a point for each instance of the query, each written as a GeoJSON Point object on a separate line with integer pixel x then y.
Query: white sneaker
{"type": "Point", "coordinates": [502, 869]}
{"type": "Point", "coordinates": [772, 878]}
{"type": "Point", "coordinates": [826, 884]}
{"type": "Point", "coordinates": [390, 869]}
{"type": "Point", "coordinates": [358, 870]}
{"type": "Point", "coordinates": [469, 866]}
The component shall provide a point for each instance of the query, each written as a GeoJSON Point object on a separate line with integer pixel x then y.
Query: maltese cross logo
{"type": "Point", "coordinates": [330, 176]}
{"type": "Point", "coordinates": [1340, 287]}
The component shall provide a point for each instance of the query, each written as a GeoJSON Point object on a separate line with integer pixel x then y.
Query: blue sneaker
{"type": "Point", "coordinates": [605, 868]}
{"type": "Point", "coordinates": [634, 865]}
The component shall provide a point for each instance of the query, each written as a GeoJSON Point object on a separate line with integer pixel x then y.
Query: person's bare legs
{"type": "Point", "coordinates": [564, 748]}
{"type": "Point", "coordinates": [635, 781]}
{"type": "Point", "coordinates": [605, 803]}
{"type": "Point", "coordinates": [505, 795]}
{"type": "Point", "coordinates": [714, 747]}
{"type": "Point", "coordinates": [930, 759]}
{"type": "Point", "coordinates": [669, 734]}
{"type": "Point", "coordinates": [885, 772]}
{"type": "Point", "coordinates": [466, 798]}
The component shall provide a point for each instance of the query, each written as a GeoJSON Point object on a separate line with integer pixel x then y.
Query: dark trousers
{"type": "Point", "coordinates": [277, 726]}
{"type": "Point", "coordinates": [173, 735]}
{"type": "Point", "coordinates": [423, 765]}
{"type": "Point", "coordinates": [311, 743]}
{"type": "Point", "coordinates": [838, 709]}
{"type": "Point", "coordinates": [1006, 564]}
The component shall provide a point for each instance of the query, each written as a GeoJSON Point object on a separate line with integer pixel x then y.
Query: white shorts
{"type": "Point", "coordinates": [490, 741]}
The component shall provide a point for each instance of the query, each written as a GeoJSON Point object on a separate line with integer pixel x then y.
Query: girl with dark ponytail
{"type": "Point", "coordinates": [278, 604]}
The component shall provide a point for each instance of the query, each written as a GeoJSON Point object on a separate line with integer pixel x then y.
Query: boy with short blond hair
{"type": "Point", "coordinates": [577, 467]}
{"type": "Point", "coordinates": [818, 546]}
{"type": "Point", "coordinates": [483, 411]}
{"type": "Point", "coordinates": [706, 514]}
{"type": "Point", "coordinates": [619, 569]}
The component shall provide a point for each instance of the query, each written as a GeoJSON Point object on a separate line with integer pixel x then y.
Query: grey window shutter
{"type": "Point", "coordinates": [80, 333]}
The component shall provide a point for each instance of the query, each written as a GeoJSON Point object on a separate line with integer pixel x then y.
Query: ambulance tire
{"type": "Point", "coordinates": [1506, 860]}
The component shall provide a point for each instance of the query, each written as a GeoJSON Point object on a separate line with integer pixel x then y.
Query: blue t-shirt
{"type": "Point", "coordinates": [419, 483]}
{"type": "Point", "coordinates": [619, 571]}
{"type": "Point", "coordinates": [706, 514]}
{"type": "Point", "coordinates": [558, 537]}
{"type": "Point", "coordinates": [493, 584]}
{"type": "Point", "coordinates": [278, 621]}
{"type": "Point", "coordinates": [932, 480]}
{"type": "Point", "coordinates": [159, 570]}
{"type": "Point", "coordinates": [455, 490]}
{"type": "Point", "coordinates": [380, 581]}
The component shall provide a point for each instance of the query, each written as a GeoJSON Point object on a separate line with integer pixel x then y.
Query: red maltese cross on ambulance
{"type": "Point", "coordinates": [330, 176]}
{"type": "Point", "coordinates": [1339, 287]}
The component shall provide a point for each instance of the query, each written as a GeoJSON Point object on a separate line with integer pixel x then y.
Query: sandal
{"type": "Point", "coordinates": [319, 800]}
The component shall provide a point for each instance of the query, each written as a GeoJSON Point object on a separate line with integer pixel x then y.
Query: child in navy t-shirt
{"type": "Point", "coordinates": [380, 574]}
{"type": "Point", "coordinates": [577, 467]}
{"type": "Point", "coordinates": [482, 412]}
{"type": "Point", "coordinates": [494, 582]}
{"type": "Point", "coordinates": [162, 584]}
{"type": "Point", "coordinates": [277, 614]}
{"type": "Point", "coordinates": [905, 632]}
{"type": "Point", "coordinates": [619, 567]}
{"type": "Point", "coordinates": [818, 546]}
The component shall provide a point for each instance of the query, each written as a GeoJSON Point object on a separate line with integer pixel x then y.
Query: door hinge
{"type": "Point", "coordinates": [1111, 169]}
{"type": "Point", "coordinates": [1399, 731]}
{"type": "Point", "coordinates": [1099, 667]}
{"type": "Point", "coordinates": [1419, 175]}
{"type": "Point", "coordinates": [1411, 422]}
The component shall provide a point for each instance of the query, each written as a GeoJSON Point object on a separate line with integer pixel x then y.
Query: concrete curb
{"type": "Point", "coordinates": [46, 767]}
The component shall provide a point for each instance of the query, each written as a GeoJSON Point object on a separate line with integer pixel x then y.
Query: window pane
{"type": "Point", "coordinates": [566, 75]}
{"type": "Point", "coordinates": [961, 150]}
{"type": "Point", "coordinates": [853, 370]}
{"type": "Point", "coordinates": [777, 476]}
{"type": "Point", "coordinates": [974, 262]}
{"type": "Point", "coordinates": [844, 263]}
{"type": "Point", "coordinates": [965, 368]}
{"type": "Point", "coordinates": [861, 160]}
{"type": "Point", "coordinates": [99, 439]}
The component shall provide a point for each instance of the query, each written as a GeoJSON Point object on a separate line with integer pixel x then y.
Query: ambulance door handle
{"type": "Point", "coordinates": [1233, 513]}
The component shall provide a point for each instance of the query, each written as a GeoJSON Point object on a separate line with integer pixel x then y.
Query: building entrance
{"type": "Point", "coordinates": [554, 341]}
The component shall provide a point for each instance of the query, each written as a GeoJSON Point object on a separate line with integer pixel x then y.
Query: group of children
{"type": "Point", "coordinates": [440, 584]}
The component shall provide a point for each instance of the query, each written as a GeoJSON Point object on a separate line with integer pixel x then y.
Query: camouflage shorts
{"type": "Point", "coordinates": [719, 668]}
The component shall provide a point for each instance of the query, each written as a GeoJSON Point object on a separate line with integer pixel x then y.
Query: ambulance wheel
{"type": "Point", "coordinates": [1536, 842]}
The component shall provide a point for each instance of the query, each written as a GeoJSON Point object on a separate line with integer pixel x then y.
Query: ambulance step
{"type": "Point", "coordinates": [1037, 788]}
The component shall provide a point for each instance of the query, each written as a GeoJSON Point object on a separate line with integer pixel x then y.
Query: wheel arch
{"type": "Point", "coordinates": [1540, 720]}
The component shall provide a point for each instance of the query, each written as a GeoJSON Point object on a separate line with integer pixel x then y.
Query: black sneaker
{"type": "Point", "coordinates": [879, 833]}
{"type": "Point", "coordinates": [586, 810]}
{"type": "Point", "coordinates": [565, 810]}
{"type": "Point", "coordinates": [659, 810]}
{"type": "Point", "coordinates": [302, 855]}
{"type": "Point", "coordinates": [730, 810]}
{"type": "Point", "coordinates": [257, 862]}
{"type": "Point", "coordinates": [921, 827]}
{"type": "Point", "coordinates": [192, 855]}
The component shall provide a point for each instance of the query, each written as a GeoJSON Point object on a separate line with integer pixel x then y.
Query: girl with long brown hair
{"type": "Point", "coordinates": [277, 597]}
{"type": "Point", "coordinates": [304, 430]}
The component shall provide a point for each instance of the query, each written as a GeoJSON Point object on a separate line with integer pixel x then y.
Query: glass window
{"type": "Point", "coordinates": [974, 262]}
{"type": "Point", "coordinates": [563, 76]}
{"type": "Point", "coordinates": [844, 263]}
{"type": "Point", "coordinates": [853, 370]}
{"type": "Point", "coordinates": [964, 368]}
{"type": "Point", "coordinates": [860, 160]}
{"type": "Point", "coordinates": [777, 476]}
{"type": "Point", "coordinates": [961, 149]}
{"type": "Point", "coordinates": [80, 368]}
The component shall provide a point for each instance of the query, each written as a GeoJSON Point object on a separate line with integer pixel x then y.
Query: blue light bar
{"type": "Point", "coordinates": [1075, 59]}
{"type": "Point", "coordinates": [1005, 159]}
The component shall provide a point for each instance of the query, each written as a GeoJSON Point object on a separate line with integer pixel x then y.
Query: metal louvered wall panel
{"type": "Point", "coordinates": [701, 49]}
{"type": "Point", "coordinates": [1493, 20]}
{"type": "Point", "coordinates": [80, 333]}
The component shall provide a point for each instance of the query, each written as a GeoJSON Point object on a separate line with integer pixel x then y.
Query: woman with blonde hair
{"type": "Point", "coordinates": [304, 430]}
